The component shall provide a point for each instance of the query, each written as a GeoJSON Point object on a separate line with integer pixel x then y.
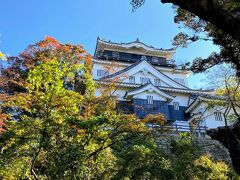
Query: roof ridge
{"type": "Point", "coordinates": [136, 41]}
{"type": "Point", "coordinates": [147, 84]}
{"type": "Point", "coordinates": [135, 64]}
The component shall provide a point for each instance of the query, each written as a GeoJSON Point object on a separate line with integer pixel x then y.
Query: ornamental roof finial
{"type": "Point", "coordinates": [143, 58]}
{"type": "Point", "coordinates": [137, 40]}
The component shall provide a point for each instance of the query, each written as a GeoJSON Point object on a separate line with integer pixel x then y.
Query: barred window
{"type": "Point", "coordinates": [102, 73]}
{"type": "Point", "coordinates": [218, 116]}
{"type": "Point", "coordinates": [150, 99]}
{"type": "Point", "coordinates": [144, 80]}
{"type": "Point", "coordinates": [157, 82]}
{"type": "Point", "coordinates": [132, 79]}
{"type": "Point", "coordinates": [176, 106]}
{"type": "Point", "coordinates": [115, 54]}
{"type": "Point", "coordinates": [155, 59]}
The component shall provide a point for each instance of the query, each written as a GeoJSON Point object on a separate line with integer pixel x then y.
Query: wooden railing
{"type": "Point", "coordinates": [199, 131]}
{"type": "Point", "coordinates": [128, 57]}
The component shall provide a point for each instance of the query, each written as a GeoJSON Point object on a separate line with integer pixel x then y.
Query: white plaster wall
{"type": "Point", "coordinates": [177, 75]}
{"type": "Point", "coordinates": [144, 95]}
{"type": "Point", "coordinates": [137, 72]}
{"type": "Point", "coordinates": [97, 66]}
{"type": "Point", "coordinates": [199, 108]}
{"type": "Point", "coordinates": [208, 116]}
{"type": "Point", "coordinates": [181, 98]}
{"type": "Point", "coordinates": [140, 74]}
{"type": "Point", "coordinates": [119, 93]}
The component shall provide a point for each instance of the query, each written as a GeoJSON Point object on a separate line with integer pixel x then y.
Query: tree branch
{"type": "Point", "coordinates": [210, 11]}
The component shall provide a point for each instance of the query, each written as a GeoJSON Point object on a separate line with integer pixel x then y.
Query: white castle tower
{"type": "Point", "coordinates": [149, 82]}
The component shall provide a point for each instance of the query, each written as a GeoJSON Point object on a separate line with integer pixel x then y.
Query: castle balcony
{"type": "Point", "coordinates": [133, 58]}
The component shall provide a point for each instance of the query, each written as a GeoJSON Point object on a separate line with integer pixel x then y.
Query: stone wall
{"type": "Point", "coordinates": [215, 149]}
{"type": "Point", "coordinates": [207, 146]}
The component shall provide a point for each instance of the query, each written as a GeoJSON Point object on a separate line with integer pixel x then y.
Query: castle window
{"type": "Point", "coordinates": [157, 82]}
{"type": "Point", "coordinates": [218, 116]}
{"type": "Point", "coordinates": [132, 79]}
{"type": "Point", "coordinates": [176, 106]}
{"type": "Point", "coordinates": [144, 80]}
{"type": "Point", "coordinates": [150, 99]}
{"type": "Point", "coordinates": [155, 60]}
{"type": "Point", "coordinates": [102, 73]}
{"type": "Point", "coordinates": [115, 54]}
{"type": "Point", "coordinates": [180, 81]}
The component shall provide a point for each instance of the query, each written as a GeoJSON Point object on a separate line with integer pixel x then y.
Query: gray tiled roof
{"type": "Point", "coordinates": [134, 65]}
{"type": "Point", "coordinates": [142, 86]}
{"type": "Point", "coordinates": [136, 41]}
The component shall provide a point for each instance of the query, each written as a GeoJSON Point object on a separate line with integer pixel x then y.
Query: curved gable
{"type": "Point", "coordinates": [144, 66]}
{"type": "Point", "coordinates": [149, 88]}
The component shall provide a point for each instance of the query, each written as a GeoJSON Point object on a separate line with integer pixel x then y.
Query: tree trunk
{"type": "Point", "coordinates": [229, 136]}
{"type": "Point", "coordinates": [210, 11]}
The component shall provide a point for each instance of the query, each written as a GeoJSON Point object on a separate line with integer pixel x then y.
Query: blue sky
{"type": "Point", "coordinates": [24, 22]}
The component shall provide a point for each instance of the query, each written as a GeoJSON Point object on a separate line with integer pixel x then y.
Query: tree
{"type": "Point", "coordinates": [2, 56]}
{"type": "Point", "coordinates": [198, 16]}
{"type": "Point", "coordinates": [223, 79]}
{"type": "Point", "coordinates": [13, 77]}
{"type": "Point", "coordinates": [55, 130]}
{"type": "Point", "coordinates": [212, 11]}
{"type": "Point", "coordinates": [194, 15]}
{"type": "Point", "coordinates": [228, 86]}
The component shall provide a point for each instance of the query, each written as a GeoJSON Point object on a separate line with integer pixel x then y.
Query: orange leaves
{"type": "Point", "coordinates": [88, 62]}
{"type": "Point", "coordinates": [2, 130]}
{"type": "Point", "coordinates": [3, 119]}
{"type": "Point", "coordinates": [48, 42]}
{"type": "Point", "coordinates": [51, 39]}
{"type": "Point", "coordinates": [155, 119]}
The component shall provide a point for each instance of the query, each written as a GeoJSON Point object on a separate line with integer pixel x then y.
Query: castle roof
{"type": "Point", "coordinates": [136, 45]}
{"type": "Point", "coordinates": [151, 88]}
{"type": "Point", "coordinates": [167, 89]}
{"type": "Point", "coordinates": [143, 63]}
{"type": "Point", "coordinates": [204, 98]}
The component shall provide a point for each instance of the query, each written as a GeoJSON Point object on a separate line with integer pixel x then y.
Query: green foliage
{"type": "Point", "coordinates": [183, 152]}
{"type": "Point", "coordinates": [57, 132]}
{"type": "Point", "coordinates": [188, 163]}
{"type": "Point", "coordinates": [205, 168]}
{"type": "Point", "coordinates": [62, 133]}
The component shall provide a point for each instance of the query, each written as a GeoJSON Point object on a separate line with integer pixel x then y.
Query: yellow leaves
{"type": "Point", "coordinates": [2, 56]}
{"type": "Point", "coordinates": [155, 119]}
{"type": "Point", "coordinates": [20, 100]}
{"type": "Point", "coordinates": [213, 170]}
{"type": "Point", "coordinates": [134, 127]}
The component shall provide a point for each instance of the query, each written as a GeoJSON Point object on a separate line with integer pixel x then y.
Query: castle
{"type": "Point", "coordinates": [149, 82]}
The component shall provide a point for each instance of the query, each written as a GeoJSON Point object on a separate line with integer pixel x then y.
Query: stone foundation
{"type": "Point", "coordinates": [207, 146]}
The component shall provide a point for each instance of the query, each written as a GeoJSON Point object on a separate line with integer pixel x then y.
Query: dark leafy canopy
{"type": "Point", "coordinates": [217, 12]}
{"type": "Point", "coordinates": [196, 19]}
{"type": "Point", "coordinates": [201, 30]}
